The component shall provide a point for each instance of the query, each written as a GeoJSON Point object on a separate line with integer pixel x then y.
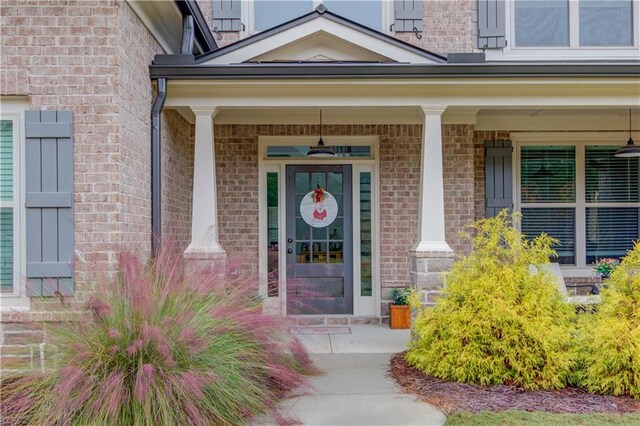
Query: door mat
{"type": "Point", "coordinates": [321, 330]}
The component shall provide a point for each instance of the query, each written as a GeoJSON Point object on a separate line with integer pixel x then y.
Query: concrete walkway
{"type": "Point", "coordinates": [355, 389]}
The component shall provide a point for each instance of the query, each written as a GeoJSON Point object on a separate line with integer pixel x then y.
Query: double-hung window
{"type": "Point", "coordinates": [573, 23]}
{"type": "Point", "coordinates": [11, 290]}
{"type": "Point", "coordinates": [582, 195]}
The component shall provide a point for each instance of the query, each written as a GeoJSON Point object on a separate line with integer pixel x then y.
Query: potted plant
{"type": "Point", "coordinates": [605, 266]}
{"type": "Point", "coordinates": [399, 309]}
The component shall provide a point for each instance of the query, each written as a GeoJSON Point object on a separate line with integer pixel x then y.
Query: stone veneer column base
{"type": "Point", "coordinates": [427, 273]}
{"type": "Point", "coordinates": [206, 258]}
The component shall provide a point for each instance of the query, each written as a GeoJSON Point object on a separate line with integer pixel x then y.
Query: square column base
{"type": "Point", "coordinates": [428, 270]}
{"type": "Point", "coordinates": [207, 258]}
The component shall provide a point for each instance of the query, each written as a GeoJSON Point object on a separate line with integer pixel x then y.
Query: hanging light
{"type": "Point", "coordinates": [630, 149]}
{"type": "Point", "coordinates": [543, 173]}
{"type": "Point", "coordinates": [320, 150]}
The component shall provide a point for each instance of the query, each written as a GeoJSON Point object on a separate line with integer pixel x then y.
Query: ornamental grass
{"type": "Point", "coordinates": [163, 346]}
{"type": "Point", "coordinates": [609, 346]}
{"type": "Point", "coordinates": [496, 322]}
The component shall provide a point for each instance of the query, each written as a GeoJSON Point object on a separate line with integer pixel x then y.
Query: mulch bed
{"type": "Point", "coordinates": [451, 397]}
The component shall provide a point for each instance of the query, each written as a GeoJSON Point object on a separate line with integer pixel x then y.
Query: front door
{"type": "Point", "coordinates": [319, 240]}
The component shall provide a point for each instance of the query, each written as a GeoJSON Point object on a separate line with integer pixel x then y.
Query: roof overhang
{"type": "Point", "coordinates": [392, 71]}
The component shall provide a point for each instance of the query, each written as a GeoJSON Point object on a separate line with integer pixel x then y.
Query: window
{"type": "Point", "coordinates": [261, 15]}
{"type": "Point", "coordinates": [11, 267]}
{"type": "Point", "coordinates": [8, 206]}
{"type": "Point", "coordinates": [548, 195]}
{"type": "Point", "coordinates": [583, 196]}
{"type": "Point", "coordinates": [573, 23]}
{"type": "Point", "coordinates": [611, 197]}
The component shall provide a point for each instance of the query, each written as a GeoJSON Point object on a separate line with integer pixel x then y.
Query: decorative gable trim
{"type": "Point", "coordinates": [319, 20]}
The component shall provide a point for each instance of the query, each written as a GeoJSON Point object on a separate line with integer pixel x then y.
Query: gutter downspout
{"type": "Point", "coordinates": [156, 166]}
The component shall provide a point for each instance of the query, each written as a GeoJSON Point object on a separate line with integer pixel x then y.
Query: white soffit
{"type": "Point", "coordinates": [319, 37]}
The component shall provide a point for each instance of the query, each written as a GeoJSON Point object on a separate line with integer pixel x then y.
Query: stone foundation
{"type": "Point", "coordinates": [427, 273]}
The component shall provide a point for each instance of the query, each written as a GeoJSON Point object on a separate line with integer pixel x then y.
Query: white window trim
{"type": "Point", "coordinates": [573, 51]}
{"type": "Point", "coordinates": [247, 13]}
{"type": "Point", "coordinates": [580, 140]}
{"type": "Point", "coordinates": [17, 300]}
{"type": "Point", "coordinates": [362, 305]}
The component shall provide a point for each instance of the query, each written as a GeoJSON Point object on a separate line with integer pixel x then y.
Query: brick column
{"type": "Point", "coordinates": [204, 251]}
{"type": "Point", "coordinates": [431, 256]}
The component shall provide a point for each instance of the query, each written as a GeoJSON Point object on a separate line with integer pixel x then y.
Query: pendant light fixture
{"type": "Point", "coordinates": [320, 150]}
{"type": "Point", "coordinates": [630, 149]}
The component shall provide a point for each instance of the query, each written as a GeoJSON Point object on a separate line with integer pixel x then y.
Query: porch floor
{"type": "Point", "coordinates": [353, 339]}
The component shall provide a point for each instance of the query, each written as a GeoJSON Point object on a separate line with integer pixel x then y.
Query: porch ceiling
{"type": "Point", "coordinates": [560, 119]}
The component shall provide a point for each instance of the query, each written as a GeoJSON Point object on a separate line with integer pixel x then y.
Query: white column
{"type": "Point", "coordinates": [204, 215]}
{"type": "Point", "coordinates": [431, 236]}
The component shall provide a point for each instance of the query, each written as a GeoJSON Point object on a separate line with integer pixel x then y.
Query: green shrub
{"type": "Point", "coordinates": [400, 296]}
{"type": "Point", "coordinates": [610, 339]}
{"type": "Point", "coordinates": [496, 323]}
{"type": "Point", "coordinates": [163, 347]}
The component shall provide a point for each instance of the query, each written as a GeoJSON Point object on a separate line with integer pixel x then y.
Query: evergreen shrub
{"type": "Point", "coordinates": [163, 346]}
{"type": "Point", "coordinates": [610, 339]}
{"type": "Point", "coordinates": [496, 322]}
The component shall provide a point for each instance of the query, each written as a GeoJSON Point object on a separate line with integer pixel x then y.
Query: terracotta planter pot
{"type": "Point", "coordinates": [399, 316]}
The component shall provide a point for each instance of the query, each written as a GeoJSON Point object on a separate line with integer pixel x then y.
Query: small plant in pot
{"type": "Point", "coordinates": [399, 309]}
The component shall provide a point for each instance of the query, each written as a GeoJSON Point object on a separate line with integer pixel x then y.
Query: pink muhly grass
{"type": "Point", "coordinates": [193, 383]}
{"type": "Point", "coordinates": [113, 333]}
{"type": "Point", "coordinates": [70, 377]}
{"type": "Point", "coordinates": [100, 309]}
{"type": "Point", "coordinates": [113, 395]}
{"type": "Point", "coordinates": [144, 380]}
{"type": "Point", "coordinates": [134, 347]}
{"type": "Point", "coordinates": [194, 413]}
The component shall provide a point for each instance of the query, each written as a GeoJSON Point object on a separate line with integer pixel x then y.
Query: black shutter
{"type": "Point", "coordinates": [498, 176]}
{"type": "Point", "coordinates": [49, 202]}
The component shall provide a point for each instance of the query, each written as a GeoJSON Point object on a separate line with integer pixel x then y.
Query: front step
{"type": "Point", "coordinates": [307, 320]}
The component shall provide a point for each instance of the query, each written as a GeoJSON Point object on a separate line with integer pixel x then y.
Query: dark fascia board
{"type": "Point", "coordinates": [390, 71]}
{"type": "Point", "coordinates": [204, 36]}
{"type": "Point", "coordinates": [320, 11]}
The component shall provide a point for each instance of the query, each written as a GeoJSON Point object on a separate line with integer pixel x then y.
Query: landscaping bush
{"type": "Point", "coordinates": [496, 322]}
{"type": "Point", "coordinates": [610, 339]}
{"type": "Point", "coordinates": [163, 346]}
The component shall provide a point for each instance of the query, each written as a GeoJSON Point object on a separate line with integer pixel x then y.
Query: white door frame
{"type": "Point", "coordinates": [362, 305]}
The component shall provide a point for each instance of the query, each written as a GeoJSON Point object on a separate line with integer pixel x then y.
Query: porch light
{"type": "Point", "coordinates": [630, 149]}
{"type": "Point", "coordinates": [320, 150]}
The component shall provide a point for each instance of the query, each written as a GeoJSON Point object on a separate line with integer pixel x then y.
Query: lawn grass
{"type": "Point", "coordinates": [516, 418]}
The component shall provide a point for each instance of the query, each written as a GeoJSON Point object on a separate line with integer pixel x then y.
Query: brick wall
{"type": "Point", "coordinates": [92, 57]}
{"type": "Point", "coordinates": [459, 189]}
{"type": "Point", "coordinates": [447, 27]}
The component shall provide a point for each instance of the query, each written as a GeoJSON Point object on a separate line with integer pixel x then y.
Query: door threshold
{"type": "Point", "coordinates": [307, 320]}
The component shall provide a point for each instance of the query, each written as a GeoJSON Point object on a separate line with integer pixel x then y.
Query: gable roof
{"type": "Point", "coordinates": [320, 19]}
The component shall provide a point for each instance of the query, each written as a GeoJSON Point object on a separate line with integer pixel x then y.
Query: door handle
{"type": "Point", "coordinates": [290, 250]}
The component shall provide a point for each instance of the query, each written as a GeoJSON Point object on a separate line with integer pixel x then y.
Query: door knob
{"type": "Point", "coordinates": [289, 240]}
{"type": "Point", "coordinates": [290, 250]}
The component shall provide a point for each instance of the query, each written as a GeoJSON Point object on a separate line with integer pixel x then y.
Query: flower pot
{"type": "Point", "coordinates": [399, 316]}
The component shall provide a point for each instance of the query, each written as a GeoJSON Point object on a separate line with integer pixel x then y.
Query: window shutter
{"type": "Point", "coordinates": [498, 177]}
{"type": "Point", "coordinates": [226, 15]}
{"type": "Point", "coordinates": [49, 202]}
{"type": "Point", "coordinates": [491, 24]}
{"type": "Point", "coordinates": [408, 15]}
